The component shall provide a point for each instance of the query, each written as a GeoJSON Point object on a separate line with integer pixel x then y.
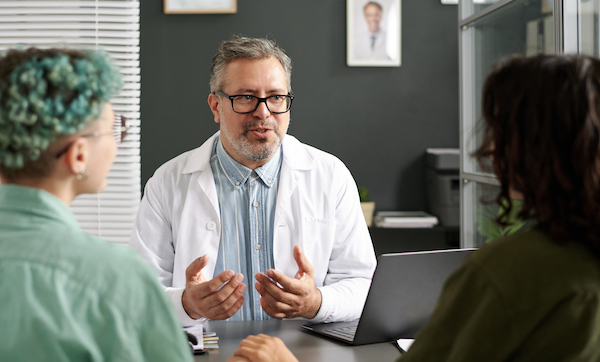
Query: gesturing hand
{"type": "Point", "coordinates": [293, 297]}
{"type": "Point", "coordinates": [201, 297]}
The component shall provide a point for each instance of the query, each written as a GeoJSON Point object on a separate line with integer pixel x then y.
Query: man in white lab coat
{"type": "Point", "coordinates": [254, 203]}
{"type": "Point", "coordinates": [372, 44]}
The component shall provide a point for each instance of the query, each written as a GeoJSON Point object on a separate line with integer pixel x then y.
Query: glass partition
{"type": "Point", "coordinates": [521, 27]}
{"type": "Point", "coordinates": [489, 31]}
{"type": "Point", "coordinates": [589, 29]}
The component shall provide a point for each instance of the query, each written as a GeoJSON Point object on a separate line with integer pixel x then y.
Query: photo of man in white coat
{"type": "Point", "coordinates": [372, 43]}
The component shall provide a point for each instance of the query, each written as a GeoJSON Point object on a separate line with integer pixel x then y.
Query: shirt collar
{"type": "Point", "coordinates": [36, 202]}
{"type": "Point", "coordinates": [238, 174]}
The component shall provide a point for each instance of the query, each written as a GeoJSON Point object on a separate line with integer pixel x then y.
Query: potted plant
{"type": "Point", "coordinates": [368, 207]}
{"type": "Point", "coordinates": [490, 230]}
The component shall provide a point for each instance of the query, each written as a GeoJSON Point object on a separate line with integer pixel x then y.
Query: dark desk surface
{"type": "Point", "coordinates": [305, 345]}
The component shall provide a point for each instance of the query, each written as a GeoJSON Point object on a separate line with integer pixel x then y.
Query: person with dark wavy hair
{"type": "Point", "coordinates": [535, 295]}
{"type": "Point", "coordinates": [66, 295]}
{"type": "Point", "coordinates": [542, 131]}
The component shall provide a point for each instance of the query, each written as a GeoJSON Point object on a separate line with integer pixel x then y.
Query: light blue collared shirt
{"type": "Point", "coordinates": [247, 201]}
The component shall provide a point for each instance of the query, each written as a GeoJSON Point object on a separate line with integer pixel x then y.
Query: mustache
{"type": "Point", "coordinates": [259, 124]}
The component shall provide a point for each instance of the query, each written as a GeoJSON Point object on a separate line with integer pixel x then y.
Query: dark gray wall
{"type": "Point", "coordinates": [379, 121]}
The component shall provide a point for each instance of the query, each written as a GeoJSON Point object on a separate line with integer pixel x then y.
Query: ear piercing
{"type": "Point", "coordinates": [82, 175]}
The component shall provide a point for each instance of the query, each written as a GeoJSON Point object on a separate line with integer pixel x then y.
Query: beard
{"type": "Point", "coordinates": [254, 151]}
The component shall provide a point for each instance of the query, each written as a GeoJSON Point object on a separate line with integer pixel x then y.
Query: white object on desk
{"type": "Point", "coordinates": [197, 331]}
{"type": "Point", "coordinates": [404, 344]}
{"type": "Point", "coordinates": [405, 219]}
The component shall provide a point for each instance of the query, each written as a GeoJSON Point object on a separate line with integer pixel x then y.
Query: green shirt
{"type": "Point", "coordinates": [523, 298]}
{"type": "Point", "coordinates": [68, 296]}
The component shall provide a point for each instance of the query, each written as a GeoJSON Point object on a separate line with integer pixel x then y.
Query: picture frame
{"type": "Point", "coordinates": [373, 33]}
{"type": "Point", "coordinates": [547, 6]}
{"type": "Point", "coordinates": [200, 6]}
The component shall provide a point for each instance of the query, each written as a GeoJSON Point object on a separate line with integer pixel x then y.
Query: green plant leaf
{"type": "Point", "coordinates": [363, 193]}
{"type": "Point", "coordinates": [488, 228]}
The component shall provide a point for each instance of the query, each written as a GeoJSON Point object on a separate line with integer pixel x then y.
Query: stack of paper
{"type": "Point", "coordinates": [204, 340]}
{"type": "Point", "coordinates": [210, 339]}
{"type": "Point", "coordinates": [404, 219]}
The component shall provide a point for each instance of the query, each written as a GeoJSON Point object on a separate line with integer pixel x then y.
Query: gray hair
{"type": "Point", "coordinates": [240, 47]}
{"type": "Point", "coordinates": [372, 3]}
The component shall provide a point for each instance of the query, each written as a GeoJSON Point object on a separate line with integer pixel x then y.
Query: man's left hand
{"type": "Point", "coordinates": [293, 297]}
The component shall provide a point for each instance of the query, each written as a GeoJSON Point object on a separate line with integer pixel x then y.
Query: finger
{"type": "Point", "coordinates": [288, 284]}
{"type": "Point", "coordinates": [268, 286]}
{"type": "Point", "coordinates": [248, 354]}
{"type": "Point", "coordinates": [250, 341]}
{"type": "Point", "coordinates": [247, 348]}
{"type": "Point", "coordinates": [224, 311]}
{"type": "Point", "coordinates": [258, 339]}
{"type": "Point", "coordinates": [273, 313]}
{"type": "Point", "coordinates": [271, 302]}
{"type": "Point", "coordinates": [237, 359]}
{"type": "Point", "coordinates": [211, 286]}
{"type": "Point", "coordinates": [215, 296]}
{"type": "Point", "coordinates": [194, 271]}
{"type": "Point", "coordinates": [302, 262]}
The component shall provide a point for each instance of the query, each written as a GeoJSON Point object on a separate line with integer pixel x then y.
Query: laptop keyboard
{"type": "Point", "coordinates": [343, 332]}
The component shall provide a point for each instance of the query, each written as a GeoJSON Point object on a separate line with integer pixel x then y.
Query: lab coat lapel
{"type": "Point", "coordinates": [296, 161]}
{"type": "Point", "coordinates": [200, 162]}
{"type": "Point", "coordinates": [203, 217]}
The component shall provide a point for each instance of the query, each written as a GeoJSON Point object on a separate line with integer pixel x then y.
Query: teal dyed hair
{"type": "Point", "coordinates": [46, 94]}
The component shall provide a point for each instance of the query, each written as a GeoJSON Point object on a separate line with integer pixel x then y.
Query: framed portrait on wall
{"type": "Point", "coordinates": [373, 33]}
{"type": "Point", "coordinates": [200, 6]}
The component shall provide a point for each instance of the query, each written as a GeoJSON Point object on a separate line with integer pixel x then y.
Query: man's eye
{"type": "Point", "coordinates": [244, 98]}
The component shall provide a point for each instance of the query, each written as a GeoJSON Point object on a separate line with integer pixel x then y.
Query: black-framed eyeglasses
{"type": "Point", "coordinates": [119, 131]}
{"type": "Point", "coordinates": [245, 103]}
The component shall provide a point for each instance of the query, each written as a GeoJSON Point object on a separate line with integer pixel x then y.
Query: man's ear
{"type": "Point", "coordinates": [77, 156]}
{"type": "Point", "coordinates": [214, 103]}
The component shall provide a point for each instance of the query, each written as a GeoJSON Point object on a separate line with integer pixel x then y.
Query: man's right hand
{"type": "Point", "coordinates": [201, 297]}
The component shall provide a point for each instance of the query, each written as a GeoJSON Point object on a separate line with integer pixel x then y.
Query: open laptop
{"type": "Point", "coordinates": [403, 293]}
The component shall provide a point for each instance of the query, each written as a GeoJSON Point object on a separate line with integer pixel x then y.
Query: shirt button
{"type": "Point", "coordinates": [255, 204]}
{"type": "Point", "coordinates": [211, 225]}
{"type": "Point", "coordinates": [237, 183]}
{"type": "Point", "coordinates": [257, 246]}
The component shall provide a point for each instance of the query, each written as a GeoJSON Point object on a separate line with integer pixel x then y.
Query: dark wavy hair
{"type": "Point", "coordinates": [542, 132]}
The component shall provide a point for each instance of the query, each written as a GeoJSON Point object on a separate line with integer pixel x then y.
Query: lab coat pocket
{"type": "Point", "coordinates": [317, 245]}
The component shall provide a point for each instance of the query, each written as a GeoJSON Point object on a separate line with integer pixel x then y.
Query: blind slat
{"type": "Point", "coordinates": [128, 18]}
{"type": "Point", "coordinates": [71, 3]}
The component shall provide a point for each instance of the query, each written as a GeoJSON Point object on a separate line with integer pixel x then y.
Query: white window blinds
{"type": "Point", "coordinates": [114, 27]}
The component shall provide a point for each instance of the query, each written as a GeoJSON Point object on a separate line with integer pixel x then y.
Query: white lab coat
{"type": "Point", "coordinates": [363, 50]}
{"type": "Point", "coordinates": [317, 208]}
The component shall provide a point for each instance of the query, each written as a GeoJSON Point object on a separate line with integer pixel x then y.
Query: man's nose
{"type": "Point", "coordinates": [262, 111]}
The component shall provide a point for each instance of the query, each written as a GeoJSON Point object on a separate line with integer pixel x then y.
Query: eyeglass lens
{"type": "Point", "coordinates": [248, 103]}
{"type": "Point", "coordinates": [120, 127]}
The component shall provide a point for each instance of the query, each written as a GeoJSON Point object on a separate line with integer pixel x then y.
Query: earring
{"type": "Point", "coordinates": [82, 175]}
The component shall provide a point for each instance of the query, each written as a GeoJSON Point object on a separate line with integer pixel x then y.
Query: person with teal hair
{"type": "Point", "coordinates": [67, 295]}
